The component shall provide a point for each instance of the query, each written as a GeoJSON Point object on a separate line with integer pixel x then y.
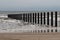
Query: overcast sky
{"type": "Point", "coordinates": [15, 5]}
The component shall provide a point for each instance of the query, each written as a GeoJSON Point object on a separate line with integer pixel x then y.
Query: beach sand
{"type": "Point", "coordinates": [29, 36]}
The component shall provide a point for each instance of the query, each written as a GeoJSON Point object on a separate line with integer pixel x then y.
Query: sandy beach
{"type": "Point", "coordinates": [29, 36]}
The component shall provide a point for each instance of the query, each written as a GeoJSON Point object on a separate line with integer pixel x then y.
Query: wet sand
{"type": "Point", "coordinates": [29, 36]}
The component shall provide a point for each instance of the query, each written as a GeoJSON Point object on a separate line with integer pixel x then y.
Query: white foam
{"type": "Point", "coordinates": [13, 25]}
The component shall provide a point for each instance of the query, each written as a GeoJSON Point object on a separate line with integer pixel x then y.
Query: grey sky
{"type": "Point", "coordinates": [29, 4]}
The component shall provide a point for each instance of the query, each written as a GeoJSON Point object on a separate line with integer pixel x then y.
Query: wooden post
{"type": "Point", "coordinates": [38, 18]}
{"type": "Point", "coordinates": [44, 17]}
{"type": "Point", "coordinates": [41, 18]}
{"type": "Point", "coordinates": [51, 18]}
{"type": "Point", "coordinates": [19, 16]}
{"type": "Point", "coordinates": [55, 19]}
{"type": "Point", "coordinates": [28, 17]}
{"type": "Point", "coordinates": [24, 17]}
{"type": "Point", "coordinates": [47, 18]}
{"type": "Point", "coordinates": [35, 18]}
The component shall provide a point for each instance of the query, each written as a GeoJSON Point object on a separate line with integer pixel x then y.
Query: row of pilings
{"type": "Point", "coordinates": [41, 18]}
